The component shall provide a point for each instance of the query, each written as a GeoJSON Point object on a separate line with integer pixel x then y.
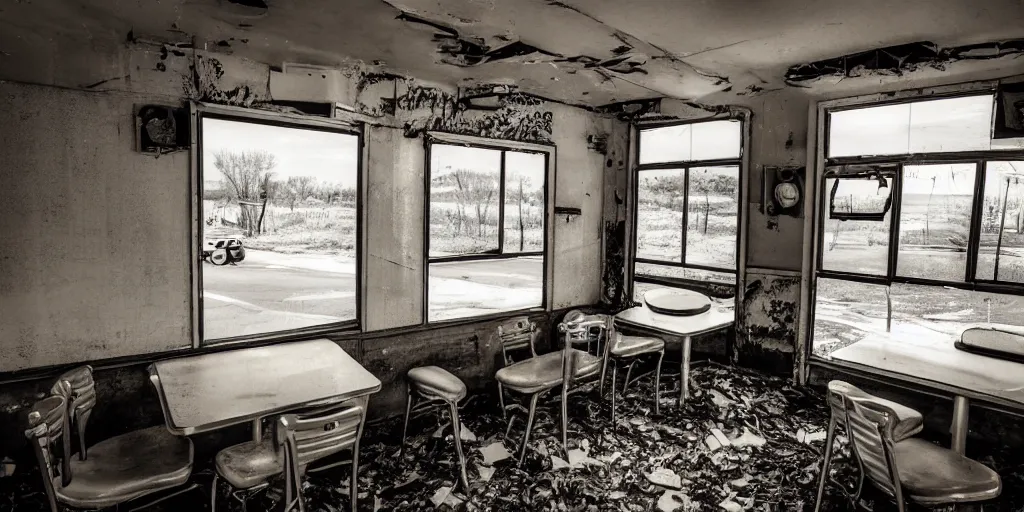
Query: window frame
{"type": "Point", "coordinates": [199, 111]}
{"type": "Point", "coordinates": [638, 168]}
{"type": "Point", "coordinates": [815, 228]}
{"type": "Point", "coordinates": [503, 146]}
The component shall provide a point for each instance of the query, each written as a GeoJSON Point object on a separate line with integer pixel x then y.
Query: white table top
{"type": "Point", "coordinates": [937, 363]}
{"type": "Point", "coordinates": [211, 391]}
{"type": "Point", "coordinates": [716, 318]}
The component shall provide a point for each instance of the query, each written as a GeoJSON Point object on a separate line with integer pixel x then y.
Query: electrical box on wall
{"type": "Point", "coordinates": [160, 129]}
{"type": "Point", "coordinates": [783, 191]}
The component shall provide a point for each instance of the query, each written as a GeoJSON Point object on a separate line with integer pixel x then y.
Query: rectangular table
{"type": "Point", "coordinates": [939, 365]}
{"type": "Point", "coordinates": [211, 391]}
{"type": "Point", "coordinates": [714, 319]}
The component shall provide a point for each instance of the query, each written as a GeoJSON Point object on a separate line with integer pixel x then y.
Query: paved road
{"type": "Point", "coordinates": [272, 291]}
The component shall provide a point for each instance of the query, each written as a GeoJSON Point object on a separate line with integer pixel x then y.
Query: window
{"type": "Point", "coordinates": [486, 224]}
{"type": "Point", "coordinates": [687, 199]}
{"type": "Point", "coordinates": [279, 232]}
{"type": "Point", "coordinates": [926, 239]}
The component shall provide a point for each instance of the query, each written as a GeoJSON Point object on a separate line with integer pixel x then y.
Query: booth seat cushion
{"type": "Point", "coordinates": [126, 467]}
{"type": "Point", "coordinates": [436, 382]}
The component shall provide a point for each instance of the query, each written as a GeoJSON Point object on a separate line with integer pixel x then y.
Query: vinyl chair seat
{"type": "Point", "coordinates": [435, 382]}
{"type": "Point", "coordinates": [631, 346]}
{"type": "Point", "coordinates": [249, 464]}
{"type": "Point", "coordinates": [127, 467]}
{"type": "Point", "coordinates": [908, 421]}
{"type": "Point", "coordinates": [545, 371]}
{"type": "Point", "coordinates": [931, 474]}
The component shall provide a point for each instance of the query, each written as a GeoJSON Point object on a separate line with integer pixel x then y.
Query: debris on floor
{"type": "Point", "coordinates": [742, 442]}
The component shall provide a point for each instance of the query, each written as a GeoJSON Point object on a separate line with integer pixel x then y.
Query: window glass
{"type": "Point", "coordinates": [712, 216]}
{"type": "Point", "coordinates": [930, 126]}
{"type": "Point", "coordinates": [691, 274]}
{"type": "Point", "coordinates": [279, 227]}
{"type": "Point", "coordinates": [935, 221]}
{"type": "Point", "coordinates": [665, 144]}
{"type": "Point", "coordinates": [487, 231]}
{"type": "Point", "coordinates": [857, 246]}
{"type": "Point", "coordinates": [524, 202]}
{"type": "Point", "coordinates": [716, 140]}
{"type": "Point", "coordinates": [464, 200]}
{"type": "Point", "coordinates": [1002, 223]}
{"type": "Point", "coordinates": [661, 199]}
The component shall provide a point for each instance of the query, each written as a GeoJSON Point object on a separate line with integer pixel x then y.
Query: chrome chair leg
{"type": "Point", "coordinates": [657, 384]}
{"type": "Point", "coordinates": [827, 460]}
{"type": "Point", "coordinates": [615, 371]}
{"type": "Point", "coordinates": [529, 426]}
{"type": "Point", "coordinates": [629, 371]}
{"type": "Point", "coordinates": [213, 493]}
{"type": "Point", "coordinates": [405, 424]}
{"type": "Point", "coordinates": [501, 400]}
{"type": "Point", "coordinates": [565, 422]}
{"type": "Point", "coordinates": [457, 426]}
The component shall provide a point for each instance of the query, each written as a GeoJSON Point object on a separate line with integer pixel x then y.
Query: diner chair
{"type": "Point", "coordinates": [906, 423]}
{"type": "Point", "coordinates": [298, 442]}
{"type": "Point", "coordinates": [434, 384]}
{"type": "Point", "coordinates": [540, 374]}
{"type": "Point", "coordinates": [623, 348]}
{"type": "Point", "coordinates": [515, 335]}
{"type": "Point", "coordinates": [914, 469]}
{"type": "Point", "coordinates": [112, 475]}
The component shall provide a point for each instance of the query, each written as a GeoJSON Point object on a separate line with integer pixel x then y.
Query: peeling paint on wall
{"type": "Point", "coordinates": [613, 281]}
{"type": "Point", "coordinates": [900, 59]}
{"type": "Point", "coordinates": [518, 116]}
{"type": "Point", "coordinates": [203, 83]}
{"type": "Point", "coordinates": [766, 334]}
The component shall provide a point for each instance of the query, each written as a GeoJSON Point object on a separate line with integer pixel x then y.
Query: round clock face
{"type": "Point", "coordinates": [787, 194]}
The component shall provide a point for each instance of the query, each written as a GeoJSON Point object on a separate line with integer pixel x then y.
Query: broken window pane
{"type": "Point", "coordinates": [935, 221]}
{"type": "Point", "coordinates": [930, 126]}
{"type": "Point", "coordinates": [524, 202]}
{"type": "Point", "coordinates": [279, 227]}
{"type": "Point", "coordinates": [665, 144]}
{"type": "Point", "coordinates": [1002, 223]}
{"type": "Point", "coordinates": [659, 220]}
{"type": "Point", "coordinates": [464, 200]}
{"type": "Point", "coordinates": [857, 246]}
{"type": "Point", "coordinates": [713, 214]}
{"type": "Point", "coordinates": [845, 312]}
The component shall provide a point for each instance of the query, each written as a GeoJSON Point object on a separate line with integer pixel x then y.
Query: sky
{"type": "Point", "coordinates": [331, 157]}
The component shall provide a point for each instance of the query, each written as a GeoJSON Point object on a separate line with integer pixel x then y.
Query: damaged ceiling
{"type": "Point", "coordinates": [589, 52]}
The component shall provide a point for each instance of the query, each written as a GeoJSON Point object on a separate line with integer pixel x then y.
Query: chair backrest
{"type": "Point", "coordinates": [308, 438]}
{"type": "Point", "coordinates": [47, 429]}
{"type": "Point", "coordinates": [78, 389]}
{"type": "Point", "coordinates": [516, 334]}
{"type": "Point", "coordinates": [870, 425]}
{"type": "Point", "coordinates": [575, 327]}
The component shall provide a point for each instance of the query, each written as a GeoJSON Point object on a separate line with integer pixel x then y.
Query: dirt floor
{"type": "Point", "coordinates": [775, 435]}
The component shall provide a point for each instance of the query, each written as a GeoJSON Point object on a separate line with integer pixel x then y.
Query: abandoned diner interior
{"type": "Point", "coordinates": [520, 255]}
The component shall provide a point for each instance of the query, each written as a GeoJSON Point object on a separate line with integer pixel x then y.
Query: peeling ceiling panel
{"type": "Point", "coordinates": [590, 52]}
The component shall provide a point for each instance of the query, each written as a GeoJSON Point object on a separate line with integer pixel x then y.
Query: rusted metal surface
{"type": "Point", "coordinates": [766, 336]}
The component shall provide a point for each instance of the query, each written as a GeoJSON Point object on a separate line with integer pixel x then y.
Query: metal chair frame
{"type": "Point", "coordinates": [428, 403]}
{"type": "Point", "coordinates": [292, 471]}
{"type": "Point", "coordinates": [573, 330]}
{"type": "Point", "coordinates": [610, 359]}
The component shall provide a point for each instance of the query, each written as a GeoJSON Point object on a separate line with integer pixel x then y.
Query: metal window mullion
{"type": "Point", "coordinates": [894, 222]}
{"type": "Point", "coordinates": [501, 206]}
{"type": "Point", "coordinates": [977, 210]}
{"type": "Point", "coordinates": [686, 214]}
